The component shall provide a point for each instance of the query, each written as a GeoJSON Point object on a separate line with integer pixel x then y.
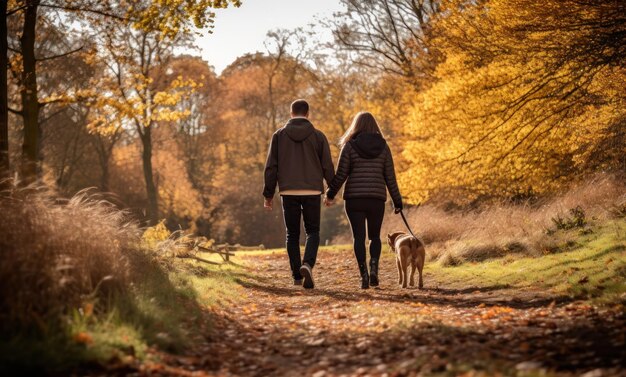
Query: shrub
{"type": "Point", "coordinates": [577, 219]}
{"type": "Point", "coordinates": [57, 253]}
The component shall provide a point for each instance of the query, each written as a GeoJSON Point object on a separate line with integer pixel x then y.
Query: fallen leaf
{"type": "Point", "coordinates": [83, 338]}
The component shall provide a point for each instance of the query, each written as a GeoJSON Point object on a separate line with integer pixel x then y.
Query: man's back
{"type": "Point", "coordinates": [299, 159]}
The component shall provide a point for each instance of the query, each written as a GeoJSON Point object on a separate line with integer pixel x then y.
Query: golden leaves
{"type": "Point", "coordinates": [155, 234]}
{"type": "Point", "coordinates": [506, 115]}
{"type": "Point", "coordinates": [174, 17]}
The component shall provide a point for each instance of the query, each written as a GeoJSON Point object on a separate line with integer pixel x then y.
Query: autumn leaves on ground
{"type": "Point", "coordinates": [162, 307]}
{"type": "Point", "coordinates": [448, 328]}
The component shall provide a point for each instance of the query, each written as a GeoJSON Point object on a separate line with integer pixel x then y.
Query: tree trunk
{"type": "Point", "coordinates": [4, 109]}
{"type": "Point", "coordinates": [30, 167]}
{"type": "Point", "coordinates": [104, 176]}
{"type": "Point", "coordinates": [153, 205]}
{"type": "Point", "coordinates": [104, 158]}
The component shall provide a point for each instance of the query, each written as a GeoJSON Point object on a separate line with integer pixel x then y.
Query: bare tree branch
{"type": "Point", "coordinates": [16, 112]}
{"type": "Point", "coordinates": [15, 10]}
{"type": "Point", "coordinates": [60, 55]}
{"type": "Point", "coordinates": [87, 10]}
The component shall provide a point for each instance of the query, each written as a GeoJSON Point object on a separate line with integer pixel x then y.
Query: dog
{"type": "Point", "coordinates": [409, 251]}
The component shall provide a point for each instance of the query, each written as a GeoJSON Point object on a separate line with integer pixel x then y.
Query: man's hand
{"type": "Point", "coordinates": [267, 204]}
{"type": "Point", "coordinates": [328, 202]}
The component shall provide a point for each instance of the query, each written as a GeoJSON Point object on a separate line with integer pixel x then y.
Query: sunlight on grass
{"type": "Point", "coordinates": [162, 306]}
{"type": "Point", "coordinates": [594, 268]}
{"type": "Point", "coordinates": [215, 284]}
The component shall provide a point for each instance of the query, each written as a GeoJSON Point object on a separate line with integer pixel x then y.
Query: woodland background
{"type": "Point", "coordinates": [482, 101]}
{"type": "Point", "coordinates": [507, 120]}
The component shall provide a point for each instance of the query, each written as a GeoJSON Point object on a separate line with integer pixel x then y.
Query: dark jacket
{"type": "Point", "coordinates": [367, 164]}
{"type": "Point", "coordinates": [298, 159]}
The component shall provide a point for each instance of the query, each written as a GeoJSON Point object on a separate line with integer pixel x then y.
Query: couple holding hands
{"type": "Point", "coordinates": [299, 160]}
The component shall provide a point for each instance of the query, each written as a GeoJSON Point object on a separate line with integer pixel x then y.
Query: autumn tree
{"type": "Point", "coordinates": [65, 149]}
{"type": "Point", "coordinates": [200, 135]}
{"type": "Point", "coordinates": [29, 12]}
{"type": "Point", "coordinates": [107, 130]}
{"type": "Point", "coordinates": [169, 19]}
{"type": "Point", "coordinates": [528, 91]}
{"type": "Point", "coordinates": [134, 56]}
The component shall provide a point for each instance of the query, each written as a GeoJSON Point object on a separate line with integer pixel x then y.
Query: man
{"type": "Point", "coordinates": [299, 160]}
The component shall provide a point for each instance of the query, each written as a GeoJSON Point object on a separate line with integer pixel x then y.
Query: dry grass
{"type": "Point", "coordinates": [56, 255]}
{"type": "Point", "coordinates": [454, 237]}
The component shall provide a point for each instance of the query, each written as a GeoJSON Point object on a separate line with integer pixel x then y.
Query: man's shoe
{"type": "Point", "coordinates": [297, 281]}
{"type": "Point", "coordinates": [365, 279]}
{"type": "Point", "coordinates": [373, 273]}
{"type": "Point", "coordinates": [307, 274]}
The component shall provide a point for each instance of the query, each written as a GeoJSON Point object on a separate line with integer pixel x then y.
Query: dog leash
{"type": "Point", "coordinates": [407, 224]}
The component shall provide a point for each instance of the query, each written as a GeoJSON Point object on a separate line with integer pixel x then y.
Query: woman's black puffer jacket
{"type": "Point", "coordinates": [367, 164]}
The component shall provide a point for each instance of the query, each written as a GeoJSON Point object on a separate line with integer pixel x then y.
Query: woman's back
{"type": "Point", "coordinates": [367, 164]}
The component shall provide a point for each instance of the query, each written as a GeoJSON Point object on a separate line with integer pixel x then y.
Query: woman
{"type": "Point", "coordinates": [367, 165]}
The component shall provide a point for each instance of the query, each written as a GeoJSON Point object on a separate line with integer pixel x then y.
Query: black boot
{"type": "Point", "coordinates": [374, 272]}
{"type": "Point", "coordinates": [365, 280]}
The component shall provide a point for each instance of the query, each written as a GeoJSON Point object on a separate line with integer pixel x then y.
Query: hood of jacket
{"type": "Point", "coordinates": [368, 145]}
{"type": "Point", "coordinates": [298, 129]}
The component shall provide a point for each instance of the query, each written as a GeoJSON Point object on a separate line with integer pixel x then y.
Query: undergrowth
{"type": "Point", "coordinates": [80, 286]}
{"type": "Point", "coordinates": [548, 226]}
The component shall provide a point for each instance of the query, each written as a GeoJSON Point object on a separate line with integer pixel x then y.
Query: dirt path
{"type": "Point", "coordinates": [339, 329]}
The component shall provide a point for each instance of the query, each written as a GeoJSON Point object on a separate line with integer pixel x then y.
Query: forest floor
{"type": "Point", "coordinates": [512, 316]}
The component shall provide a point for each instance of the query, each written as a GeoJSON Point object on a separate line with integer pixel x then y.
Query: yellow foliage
{"type": "Point", "coordinates": [511, 111]}
{"type": "Point", "coordinates": [155, 234]}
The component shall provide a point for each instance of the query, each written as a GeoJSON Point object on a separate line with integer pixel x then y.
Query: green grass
{"type": "Point", "coordinates": [593, 267]}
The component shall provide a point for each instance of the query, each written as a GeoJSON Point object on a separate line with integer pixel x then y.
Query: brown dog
{"type": "Point", "coordinates": [409, 250]}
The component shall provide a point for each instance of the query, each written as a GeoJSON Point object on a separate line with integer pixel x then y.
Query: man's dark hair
{"type": "Point", "coordinates": [300, 107]}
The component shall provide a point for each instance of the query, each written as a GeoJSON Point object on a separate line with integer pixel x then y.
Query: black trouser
{"type": "Point", "coordinates": [294, 208]}
{"type": "Point", "coordinates": [359, 212]}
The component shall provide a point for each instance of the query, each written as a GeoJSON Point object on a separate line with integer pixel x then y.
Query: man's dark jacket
{"type": "Point", "coordinates": [366, 163]}
{"type": "Point", "coordinates": [298, 159]}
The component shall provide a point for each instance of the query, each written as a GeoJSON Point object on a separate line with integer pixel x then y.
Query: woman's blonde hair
{"type": "Point", "coordinates": [363, 122]}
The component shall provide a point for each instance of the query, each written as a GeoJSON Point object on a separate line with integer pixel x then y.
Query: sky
{"type": "Point", "coordinates": [243, 30]}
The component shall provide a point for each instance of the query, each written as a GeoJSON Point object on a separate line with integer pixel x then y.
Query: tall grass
{"type": "Point", "coordinates": [499, 229]}
{"type": "Point", "coordinates": [78, 284]}
{"type": "Point", "coordinates": [57, 253]}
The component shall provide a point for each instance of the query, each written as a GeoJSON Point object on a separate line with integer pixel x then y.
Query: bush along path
{"type": "Point", "coordinates": [265, 326]}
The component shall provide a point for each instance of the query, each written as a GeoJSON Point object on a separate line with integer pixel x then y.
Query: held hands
{"type": "Point", "coordinates": [267, 204]}
{"type": "Point", "coordinates": [328, 202]}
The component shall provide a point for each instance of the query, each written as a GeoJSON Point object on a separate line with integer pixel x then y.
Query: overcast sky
{"type": "Point", "coordinates": [241, 30]}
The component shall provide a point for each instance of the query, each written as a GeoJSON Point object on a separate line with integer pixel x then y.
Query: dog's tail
{"type": "Point", "coordinates": [415, 243]}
